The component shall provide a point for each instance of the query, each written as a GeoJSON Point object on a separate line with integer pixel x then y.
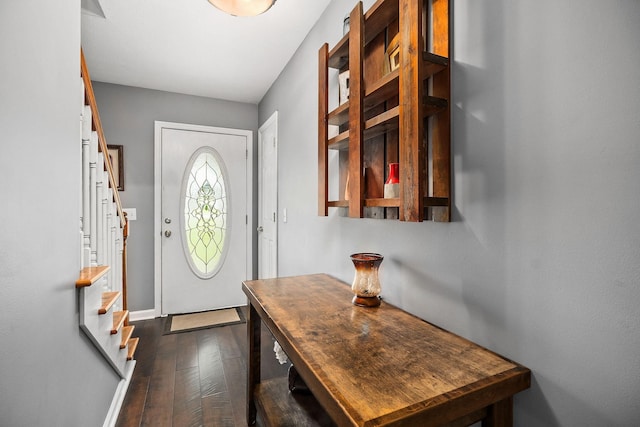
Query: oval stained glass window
{"type": "Point", "coordinates": [206, 212]}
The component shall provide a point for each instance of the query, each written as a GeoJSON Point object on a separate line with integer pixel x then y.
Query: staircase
{"type": "Point", "coordinates": [103, 322]}
{"type": "Point", "coordinates": [103, 314]}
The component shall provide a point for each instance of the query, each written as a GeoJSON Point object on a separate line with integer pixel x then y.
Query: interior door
{"type": "Point", "coordinates": [204, 217]}
{"type": "Point", "coordinates": [268, 198]}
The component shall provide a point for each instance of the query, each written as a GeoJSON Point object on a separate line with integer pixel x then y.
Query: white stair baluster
{"type": "Point", "coordinates": [84, 176]}
{"type": "Point", "coordinates": [119, 263]}
{"type": "Point", "coordinates": [110, 237]}
{"type": "Point", "coordinates": [93, 198]}
{"type": "Point", "coordinates": [105, 218]}
{"type": "Point", "coordinates": [82, 96]}
{"type": "Point", "coordinates": [86, 192]}
{"type": "Point", "coordinates": [100, 210]}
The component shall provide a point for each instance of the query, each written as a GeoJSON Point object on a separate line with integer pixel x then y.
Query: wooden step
{"type": "Point", "coordinates": [90, 275]}
{"type": "Point", "coordinates": [132, 345]}
{"type": "Point", "coordinates": [118, 320]}
{"type": "Point", "coordinates": [126, 335]}
{"type": "Point", "coordinates": [108, 299]}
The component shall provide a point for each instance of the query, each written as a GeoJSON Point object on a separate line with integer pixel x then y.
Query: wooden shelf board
{"type": "Point", "coordinates": [436, 201]}
{"type": "Point", "coordinates": [339, 55]}
{"type": "Point", "coordinates": [126, 335]}
{"type": "Point", "coordinates": [381, 124]}
{"type": "Point", "coordinates": [386, 117]}
{"type": "Point", "coordinates": [338, 203]}
{"type": "Point", "coordinates": [108, 299]}
{"type": "Point", "coordinates": [433, 64]}
{"type": "Point", "coordinates": [340, 115]}
{"type": "Point", "coordinates": [379, 15]}
{"type": "Point", "coordinates": [90, 275]}
{"type": "Point", "coordinates": [382, 90]}
{"type": "Point", "coordinates": [131, 347]}
{"type": "Point", "coordinates": [118, 320]}
{"type": "Point", "coordinates": [383, 203]}
{"type": "Point", "coordinates": [339, 142]}
{"type": "Point", "coordinates": [280, 407]}
{"type": "Point", "coordinates": [390, 203]}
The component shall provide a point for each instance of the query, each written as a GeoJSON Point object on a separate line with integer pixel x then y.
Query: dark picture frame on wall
{"type": "Point", "coordinates": [116, 155]}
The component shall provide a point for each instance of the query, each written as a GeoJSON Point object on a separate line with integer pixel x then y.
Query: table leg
{"type": "Point", "coordinates": [253, 363]}
{"type": "Point", "coordinates": [500, 414]}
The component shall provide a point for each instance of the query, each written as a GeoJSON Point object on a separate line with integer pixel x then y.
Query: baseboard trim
{"type": "Point", "coordinates": [118, 397]}
{"type": "Point", "coordinates": [142, 315]}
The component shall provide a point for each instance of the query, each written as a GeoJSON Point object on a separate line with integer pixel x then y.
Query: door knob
{"type": "Point", "coordinates": [167, 233]}
{"type": "Point", "coordinates": [260, 229]}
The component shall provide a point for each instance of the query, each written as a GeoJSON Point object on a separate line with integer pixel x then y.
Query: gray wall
{"type": "Point", "coordinates": [50, 374]}
{"type": "Point", "coordinates": [542, 260]}
{"type": "Point", "coordinates": [128, 116]}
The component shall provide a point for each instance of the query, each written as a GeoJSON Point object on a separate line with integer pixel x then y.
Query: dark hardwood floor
{"type": "Point", "coordinates": [193, 378]}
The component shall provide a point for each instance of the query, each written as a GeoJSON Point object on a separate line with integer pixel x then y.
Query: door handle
{"type": "Point", "coordinates": [167, 233]}
{"type": "Point", "coordinates": [260, 229]}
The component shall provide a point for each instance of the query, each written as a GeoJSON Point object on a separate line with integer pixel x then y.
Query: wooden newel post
{"type": "Point", "coordinates": [125, 234]}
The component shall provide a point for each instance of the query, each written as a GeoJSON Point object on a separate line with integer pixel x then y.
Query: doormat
{"type": "Point", "coordinates": [176, 323]}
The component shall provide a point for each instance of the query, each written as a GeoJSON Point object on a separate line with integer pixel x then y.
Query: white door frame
{"type": "Point", "coordinates": [273, 120]}
{"type": "Point", "coordinates": [157, 191]}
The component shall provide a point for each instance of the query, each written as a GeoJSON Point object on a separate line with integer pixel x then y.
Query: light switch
{"type": "Point", "coordinates": [284, 215]}
{"type": "Point", "coordinates": [131, 213]}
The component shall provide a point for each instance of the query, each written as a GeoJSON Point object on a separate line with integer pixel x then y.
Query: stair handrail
{"type": "Point", "coordinates": [96, 125]}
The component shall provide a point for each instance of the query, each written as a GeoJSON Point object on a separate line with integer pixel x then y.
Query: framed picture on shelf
{"type": "Point", "coordinates": [392, 55]}
{"type": "Point", "coordinates": [116, 157]}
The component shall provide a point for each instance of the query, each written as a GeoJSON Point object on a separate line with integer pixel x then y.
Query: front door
{"type": "Point", "coordinates": [204, 216]}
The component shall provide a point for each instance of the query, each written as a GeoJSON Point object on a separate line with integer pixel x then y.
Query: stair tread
{"type": "Point", "coordinates": [108, 299]}
{"type": "Point", "coordinates": [126, 335]}
{"type": "Point", "coordinates": [90, 275]}
{"type": "Point", "coordinates": [132, 345]}
{"type": "Point", "coordinates": [118, 320]}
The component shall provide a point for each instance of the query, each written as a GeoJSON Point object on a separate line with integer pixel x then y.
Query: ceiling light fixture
{"type": "Point", "coordinates": [243, 7]}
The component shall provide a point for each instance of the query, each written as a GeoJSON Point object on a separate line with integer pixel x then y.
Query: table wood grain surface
{"type": "Point", "coordinates": [379, 366]}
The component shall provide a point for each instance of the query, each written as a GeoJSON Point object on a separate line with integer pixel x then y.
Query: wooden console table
{"type": "Point", "coordinates": [371, 366]}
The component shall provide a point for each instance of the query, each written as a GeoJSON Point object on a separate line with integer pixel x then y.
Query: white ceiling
{"type": "Point", "coordinates": [190, 47]}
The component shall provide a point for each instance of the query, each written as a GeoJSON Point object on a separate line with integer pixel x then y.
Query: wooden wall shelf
{"type": "Point", "coordinates": [399, 116]}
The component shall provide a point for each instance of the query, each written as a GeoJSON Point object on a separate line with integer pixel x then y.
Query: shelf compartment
{"type": "Point", "coordinates": [339, 55]}
{"type": "Point", "coordinates": [382, 90]}
{"type": "Point", "coordinates": [433, 64]}
{"type": "Point", "coordinates": [381, 123]}
{"type": "Point", "coordinates": [387, 86]}
{"type": "Point", "coordinates": [432, 105]}
{"type": "Point", "coordinates": [340, 115]}
{"type": "Point", "coordinates": [339, 142]}
{"type": "Point", "coordinates": [378, 17]}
